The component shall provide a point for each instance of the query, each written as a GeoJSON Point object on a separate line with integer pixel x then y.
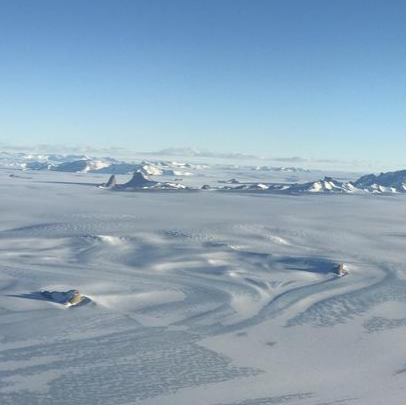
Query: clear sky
{"type": "Point", "coordinates": [313, 78]}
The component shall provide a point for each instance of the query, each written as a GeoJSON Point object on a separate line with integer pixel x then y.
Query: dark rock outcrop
{"type": "Point", "coordinates": [340, 270]}
{"type": "Point", "coordinates": [111, 182]}
{"type": "Point", "coordinates": [68, 298]}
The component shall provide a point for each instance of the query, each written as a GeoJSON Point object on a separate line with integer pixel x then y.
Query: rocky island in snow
{"type": "Point", "coordinates": [141, 181]}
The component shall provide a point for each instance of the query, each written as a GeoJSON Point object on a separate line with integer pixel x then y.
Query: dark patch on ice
{"type": "Point", "coordinates": [337, 402]}
{"type": "Point", "coordinates": [117, 368]}
{"type": "Point", "coordinates": [313, 265]}
{"type": "Point", "coordinates": [272, 400]}
{"type": "Point", "coordinates": [16, 176]}
{"type": "Point", "coordinates": [340, 309]}
{"type": "Point", "coordinates": [63, 229]}
{"type": "Point", "coordinates": [401, 371]}
{"type": "Point", "coordinates": [271, 344]}
{"type": "Point", "coordinates": [396, 235]}
{"type": "Point", "coordinates": [378, 324]}
{"type": "Point", "coordinates": [260, 284]}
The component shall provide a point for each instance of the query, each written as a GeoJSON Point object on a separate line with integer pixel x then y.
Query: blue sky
{"type": "Point", "coordinates": [315, 78]}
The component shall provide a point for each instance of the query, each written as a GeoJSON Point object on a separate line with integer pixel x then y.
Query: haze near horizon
{"type": "Point", "coordinates": [315, 79]}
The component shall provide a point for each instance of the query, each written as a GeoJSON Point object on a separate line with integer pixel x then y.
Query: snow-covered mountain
{"type": "Point", "coordinates": [159, 170]}
{"type": "Point", "coordinates": [253, 187]}
{"type": "Point", "coordinates": [119, 168]}
{"type": "Point", "coordinates": [35, 161]}
{"type": "Point", "coordinates": [36, 165]}
{"type": "Point", "coordinates": [86, 164]}
{"type": "Point", "coordinates": [391, 182]}
{"type": "Point", "coordinates": [326, 185]}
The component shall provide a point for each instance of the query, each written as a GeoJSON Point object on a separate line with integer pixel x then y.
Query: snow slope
{"type": "Point", "coordinates": [203, 298]}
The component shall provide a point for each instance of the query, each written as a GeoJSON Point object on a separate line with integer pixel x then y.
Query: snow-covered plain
{"type": "Point", "coordinates": [199, 297]}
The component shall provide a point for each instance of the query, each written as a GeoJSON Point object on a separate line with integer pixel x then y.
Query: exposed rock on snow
{"type": "Point", "coordinates": [340, 270]}
{"type": "Point", "coordinates": [140, 181]}
{"type": "Point", "coordinates": [68, 298]}
{"type": "Point", "coordinates": [110, 183]}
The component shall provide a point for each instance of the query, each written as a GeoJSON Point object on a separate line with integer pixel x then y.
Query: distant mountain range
{"type": "Point", "coordinates": [326, 185]}
{"type": "Point", "coordinates": [391, 182]}
{"type": "Point", "coordinates": [86, 164]}
{"type": "Point", "coordinates": [384, 183]}
{"type": "Point", "coordinates": [108, 165]}
{"type": "Point", "coordinates": [394, 182]}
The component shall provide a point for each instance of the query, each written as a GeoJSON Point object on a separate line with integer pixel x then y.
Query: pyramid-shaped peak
{"type": "Point", "coordinates": [140, 179]}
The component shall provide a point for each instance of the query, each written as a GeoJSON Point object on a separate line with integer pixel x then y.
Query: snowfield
{"type": "Point", "coordinates": [199, 297]}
